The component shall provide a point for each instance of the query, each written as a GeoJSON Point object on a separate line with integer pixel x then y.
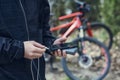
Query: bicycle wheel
{"type": "Point", "coordinates": [93, 65]}
{"type": "Point", "coordinates": [102, 33]}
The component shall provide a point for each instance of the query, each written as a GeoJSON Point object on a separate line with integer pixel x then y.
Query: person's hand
{"type": "Point", "coordinates": [59, 52]}
{"type": "Point", "coordinates": [33, 50]}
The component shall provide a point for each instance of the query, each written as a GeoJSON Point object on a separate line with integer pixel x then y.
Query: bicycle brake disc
{"type": "Point", "coordinates": [85, 61]}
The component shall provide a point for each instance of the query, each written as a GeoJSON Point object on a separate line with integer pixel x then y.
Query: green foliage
{"type": "Point", "coordinates": [107, 11]}
{"type": "Point", "coordinates": [111, 14]}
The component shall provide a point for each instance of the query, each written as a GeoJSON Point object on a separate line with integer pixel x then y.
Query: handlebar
{"type": "Point", "coordinates": [82, 6]}
{"type": "Point", "coordinates": [79, 2]}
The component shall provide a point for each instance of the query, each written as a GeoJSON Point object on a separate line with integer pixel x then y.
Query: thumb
{"type": "Point", "coordinates": [62, 39]}
{"type": "Point", "coordinates": [36, 44]}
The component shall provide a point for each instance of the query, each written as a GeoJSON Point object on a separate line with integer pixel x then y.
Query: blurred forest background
{"type": "Point", "coordinates": [105, 11]}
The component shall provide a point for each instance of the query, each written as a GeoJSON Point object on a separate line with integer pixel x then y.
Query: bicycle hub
{"type": "Point", "coordinates": [85, 61]}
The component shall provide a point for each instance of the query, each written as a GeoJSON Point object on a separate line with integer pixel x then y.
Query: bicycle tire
{"type": "Point", "coordinates": [106, 28]}
{"type": "Point", "coordinates": [69, 73]}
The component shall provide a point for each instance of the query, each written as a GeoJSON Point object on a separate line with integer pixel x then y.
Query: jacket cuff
{"type": "Point", "coordinates": [20, 51]}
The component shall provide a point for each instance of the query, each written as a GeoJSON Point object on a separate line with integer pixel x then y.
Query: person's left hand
{"type": "Point", "coordinates": [59, 52]}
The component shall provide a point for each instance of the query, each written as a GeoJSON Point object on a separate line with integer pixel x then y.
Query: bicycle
{"type": "Point", "coordinates": [97, 30]}
{"type": "Point", "coordinates": [92, 61]}
{"type": "Point", "coordinates": [91, 57]}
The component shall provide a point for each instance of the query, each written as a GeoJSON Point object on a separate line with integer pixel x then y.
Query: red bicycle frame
{"type": "Point", "coordinates": [74, 24]}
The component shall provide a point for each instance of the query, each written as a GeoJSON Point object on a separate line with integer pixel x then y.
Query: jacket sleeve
{"type": "Point", "coordinates": [48, 38]}
{"type": "Point", "coordinates": [10, 50]}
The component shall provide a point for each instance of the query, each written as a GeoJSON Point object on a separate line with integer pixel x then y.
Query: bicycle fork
{"type": "Point", "coordinates": [84, 60]}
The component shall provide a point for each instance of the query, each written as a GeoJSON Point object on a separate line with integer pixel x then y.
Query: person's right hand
{"type": "Point", "coordinates": [33, 50]}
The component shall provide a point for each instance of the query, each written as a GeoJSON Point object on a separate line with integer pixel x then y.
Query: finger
{"type": "Point", "coordinates": [62, 39]}
{"type": "Point", "coordinates": [37, 44]}
{"type": "Point", "coordinates": [55, 53]}
{"type": "Point", "coordinates": [59, 52]}
{"type": "Point", "coordinates": [39, 50]}
{"type": "Point", "coordinates": [37, 55]}
{"type": "Point", "coordinates": [64, 53]}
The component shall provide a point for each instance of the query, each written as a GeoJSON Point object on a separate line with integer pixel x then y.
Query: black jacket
{"type": "Point", "coordinates": [22, 20]}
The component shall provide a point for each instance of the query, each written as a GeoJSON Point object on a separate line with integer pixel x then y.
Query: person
{"type": "Point", "coordinates": [24, 36]}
